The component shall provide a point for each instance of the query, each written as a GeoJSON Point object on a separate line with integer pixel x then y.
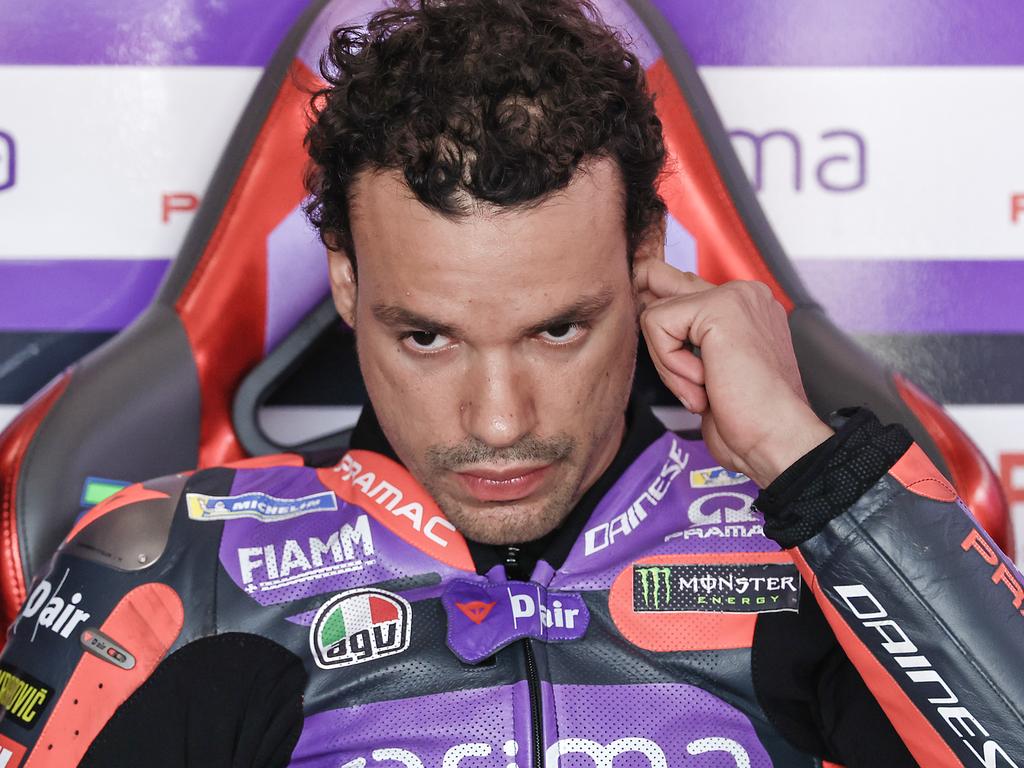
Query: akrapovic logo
{"type": "Point", "coordinates": [732, 588]}
{"type": "Point", "coordinates": [894, 641]}
{"type": "Point", "coordinates": [22, 697]}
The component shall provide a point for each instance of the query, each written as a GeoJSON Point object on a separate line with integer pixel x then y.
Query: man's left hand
{"type": "Point", "coordinates": [745, 383]}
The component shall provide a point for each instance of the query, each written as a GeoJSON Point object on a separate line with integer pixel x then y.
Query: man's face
{"type": "Point", "coordinates": [498, 348]}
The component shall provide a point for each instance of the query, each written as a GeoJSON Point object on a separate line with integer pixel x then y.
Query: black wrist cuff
{"type": "Point", "coordinates": [826, 481]}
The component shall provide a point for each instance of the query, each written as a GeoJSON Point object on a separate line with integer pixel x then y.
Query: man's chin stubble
{"type": "Point", "coordinates": [506, 523]}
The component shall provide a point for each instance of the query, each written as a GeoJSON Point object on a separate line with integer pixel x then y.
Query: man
{"type": "Point", "coordinates": [513, 565]}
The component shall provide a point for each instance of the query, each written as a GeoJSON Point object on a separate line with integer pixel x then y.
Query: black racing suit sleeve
{"type": "Point", "coordinates": [225, 701]}
{"type": "Point", "coordinates": [922, 602]}
{"type": "Point", "coordinates": [95, 672]}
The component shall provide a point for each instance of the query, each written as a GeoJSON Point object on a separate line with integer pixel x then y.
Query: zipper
{"type": "Point", "coordinates": [512, 567]}
{"type": "Point", "coordinates": [536, 722]}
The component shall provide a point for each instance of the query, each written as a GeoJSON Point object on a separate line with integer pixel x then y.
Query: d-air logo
{"type": "Point", "coordinates": [716, 477]}
{"type": "Point", "coordinates": [22, 697]}
{"type": "Point", "coordinates": [275, 566]}
{"type": "Point", "coordinates": [258, 506]}
{"type": "Point", "coordinates": [57, 614]}
{"type": "Point", "coordinates": [742, 588]}
{"type": "Point", "coordinates": [99, 644]}
{"type": "Point", "coordinates": [722, 515]}
{"type": "Point", "coordinates": [360, 625]}
{"type": "Point", "coordinates": [601, 536]}
{"type": "Point", "coordinates": [475, 610]}
{"type": "Point", "coordinates": [11, 752]}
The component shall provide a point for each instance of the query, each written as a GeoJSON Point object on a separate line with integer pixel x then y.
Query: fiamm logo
{"type": "Point", "coordinates": [8, 164]}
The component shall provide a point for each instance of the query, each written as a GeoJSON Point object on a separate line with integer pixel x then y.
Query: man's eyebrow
{"type": "Point", "coordinates": [400, 317]}
{"type": "Point", "coordinates": [582, 310]}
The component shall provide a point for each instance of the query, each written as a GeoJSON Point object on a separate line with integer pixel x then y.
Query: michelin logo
{"type": "Point", "coordinates": [258, 506]}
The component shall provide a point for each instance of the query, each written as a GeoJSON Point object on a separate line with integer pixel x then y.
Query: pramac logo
{"type": "Point", "coordinates": [390, 495]}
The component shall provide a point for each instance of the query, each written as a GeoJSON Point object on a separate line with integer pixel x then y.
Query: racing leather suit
{"type": "Point", "coordinates": [272, 613]}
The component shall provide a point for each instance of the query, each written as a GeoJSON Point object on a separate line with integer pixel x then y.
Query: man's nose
{"type": "Point", "coordinates": [497, 404]}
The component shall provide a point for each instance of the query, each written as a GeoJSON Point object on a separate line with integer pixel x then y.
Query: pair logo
{"type": "Point", "coordinates": [8, 162]}
{"type": "Point", "coordinates": [700, 588]}
{"type": "Point", "coordinates": [360, 625]}
{"type": "Point", "coordinates": [257, 506]}
{"type": "Point", "coordinates": [485, 616]}
{"type": "Point", "coordinates": [54, 612]}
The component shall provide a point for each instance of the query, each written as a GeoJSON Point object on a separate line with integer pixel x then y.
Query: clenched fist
{"type": "Point", "coordinates": [745, 383]}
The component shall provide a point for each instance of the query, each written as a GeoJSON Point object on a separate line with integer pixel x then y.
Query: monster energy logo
{"type": "Point", "coordinates": [655, 583]}
{"type": "Point", "coordinates": [716, 588]}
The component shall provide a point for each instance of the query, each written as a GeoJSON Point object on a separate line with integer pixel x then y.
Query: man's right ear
{"type": "Point", "coordinates": [343, 284]}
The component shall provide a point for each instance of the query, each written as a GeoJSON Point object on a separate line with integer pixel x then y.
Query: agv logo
{"type": "Point", "coordinates": [360, 625]}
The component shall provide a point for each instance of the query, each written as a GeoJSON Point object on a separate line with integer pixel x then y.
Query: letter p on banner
{"type": "Point", "coordinates": [178, 202]}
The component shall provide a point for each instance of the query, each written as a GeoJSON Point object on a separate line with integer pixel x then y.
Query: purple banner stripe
{"type": "Point", "coordinates": [849, 32]}
{"type": "Point", "coordinates": [144, 32]}
{"type": "Point", "coordinates": [723, 32]}
{"type": "Point", "coordinates": [918, 296]}
{"type": "Point", "coordinates": [76, 294]}
{"type": "Point", "coordinates": [861, 295]}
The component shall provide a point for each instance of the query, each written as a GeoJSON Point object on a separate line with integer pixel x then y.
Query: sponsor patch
{"type": "Point", "coordinates": [360, 625]}
{"type": "Point", "coordinates": [11, 752]}
{"type": "Point", "coordinates": [54, 610]}
{"type": "Point", "coordinates": [716, 477]}
{"type": "Point", "coordinates": [99, 644]}
{"type": "Point", "coordinates": [476, 610]}
{"type": "Point", "coordinates": [485, 616]}
{"type": "Point", "coordinates": [721, 515]}
{"type": "Point", "coordinates": [258, 506]}
{"type": "Point", "coordinates": [701, 588]}
{"type": "Point", "coordinates": [285, 564]}
{"type": "Point", "coordinates": [623, 524]}
{"type": "Point", "coordinates": [22, 697]}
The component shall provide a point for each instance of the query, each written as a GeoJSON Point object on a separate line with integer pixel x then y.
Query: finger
{"type": "Point", "coordinates": [663, 280]}
{"type": "Point", "coordinates": [678, 367]}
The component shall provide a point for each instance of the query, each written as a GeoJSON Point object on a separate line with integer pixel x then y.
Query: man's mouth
{"type": "Point", "coordinates": [502, 483]}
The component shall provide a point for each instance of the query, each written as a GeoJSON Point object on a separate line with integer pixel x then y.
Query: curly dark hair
{"type": "Point", "coordinates": [494, 101]}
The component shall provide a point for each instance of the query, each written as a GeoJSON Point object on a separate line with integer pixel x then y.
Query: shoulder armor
{"type": "Point", "coordinates": [129, 531]}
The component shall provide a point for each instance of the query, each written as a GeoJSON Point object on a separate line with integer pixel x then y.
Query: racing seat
{"type": "Point", "coordinates": [245, 299]}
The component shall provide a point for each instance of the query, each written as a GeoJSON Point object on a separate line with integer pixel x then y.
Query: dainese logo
{"type": "Point", "coordinates": [475, 610]}
{"type": "Point", "coordinates": [360, 625]}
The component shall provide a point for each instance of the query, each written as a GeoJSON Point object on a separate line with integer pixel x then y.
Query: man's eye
{"type": "Point", "coordinates": [563, 334]}
{"type": "Point", "coordinates": [425, 341]}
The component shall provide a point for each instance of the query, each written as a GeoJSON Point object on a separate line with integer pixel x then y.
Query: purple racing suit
{"type": "Point", "coordinates": [273, 613]}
